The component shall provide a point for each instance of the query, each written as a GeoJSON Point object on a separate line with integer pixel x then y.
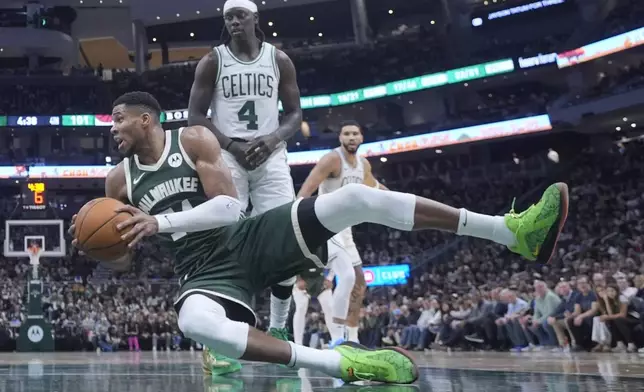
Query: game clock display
{"type": "Point", "coordinates": [34, 196]}
{"type": "Point", "coordinates": [33, 121]}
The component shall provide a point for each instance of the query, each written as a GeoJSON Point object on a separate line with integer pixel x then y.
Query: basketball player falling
{"type": "Point", "coordinates": [336, 169]}
{"type": "Point", "coordinates": [240, 81]}
{"type": "Point", "coordinates": [179, 187]}
{"type": "Point", "coordinates": [311, 284]}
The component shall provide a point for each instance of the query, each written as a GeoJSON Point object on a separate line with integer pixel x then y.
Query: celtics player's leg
{"type": "Point", "coordinates": [355, 305]}
{"type": "Point", "coordinates": [271, 187]}
{"type": "Point", "coordinates": [358, 291]}
{"type": "Point", "coordinates": [340, 264]}
{"type": "Point", "coordinates": [325, 298]}
{"type": "Point", "coordinates": [301, 299]}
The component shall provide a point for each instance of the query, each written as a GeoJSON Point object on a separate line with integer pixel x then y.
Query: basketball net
{"type": "Point", "coordinates": [34, 254]}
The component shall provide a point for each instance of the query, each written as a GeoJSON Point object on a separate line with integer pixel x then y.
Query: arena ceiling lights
{"type": "Point", "coordinates": [159, 12]}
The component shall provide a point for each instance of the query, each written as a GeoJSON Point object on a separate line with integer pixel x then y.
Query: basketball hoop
{"type": "Point", "coordinates": [34, 254]}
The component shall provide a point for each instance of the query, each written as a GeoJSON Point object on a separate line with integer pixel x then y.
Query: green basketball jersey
{"type": "Point", "coordinates": [172, 185]}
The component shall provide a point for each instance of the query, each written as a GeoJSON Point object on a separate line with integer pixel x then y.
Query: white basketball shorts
{"type": "Point", "coordinates": [267, 187]}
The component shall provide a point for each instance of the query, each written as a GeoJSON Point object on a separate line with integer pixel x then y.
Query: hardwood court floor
{"type": "Point", "coordinates": [440, 372]}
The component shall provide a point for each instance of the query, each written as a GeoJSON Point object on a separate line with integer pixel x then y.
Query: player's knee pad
{"type": "Point", "coordinates": [281, 291]}
{"type": "Point", "coordinates": [204, 320]}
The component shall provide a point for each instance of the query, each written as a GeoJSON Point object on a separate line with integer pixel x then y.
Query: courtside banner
{"type": "Point", "coordinates": [44, 172]}
{"type": "Point", "coordinates": [387, 275]}
{"type": "Point", "coordinates": [13, 171]}
{"type": "Point", "coordinates": [392, 146]}
{"type": "Point", "coordinates": [436, 139]}
{"type": "Point", "coordinates": [601, 48]}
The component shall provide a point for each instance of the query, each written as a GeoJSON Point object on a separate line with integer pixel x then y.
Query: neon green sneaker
{"type": "Point", "coordinates": [214, 364]}
{"type": "Point", "coordinates": [390, 365]}
{"type": "Point", "coordinates": [537, 229]}
{"type": "Point", "coordinates": [279, 333]}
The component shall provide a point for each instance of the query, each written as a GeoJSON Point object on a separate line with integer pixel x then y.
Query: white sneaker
{"type": "Point", "coordinates": [631, 348]}
{"type": "Point", "coordinates": [619, 348]}
{"type": "Point", "coordinates": [641, 350]}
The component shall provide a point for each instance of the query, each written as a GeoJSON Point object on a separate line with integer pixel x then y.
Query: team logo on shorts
{"type": "Point", "coordinates": [175, 160]}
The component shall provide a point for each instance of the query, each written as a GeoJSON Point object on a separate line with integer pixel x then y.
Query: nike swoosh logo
{"type": "Point", "coordinates": [465, 220]}
{"type": "Point", "coordinates": [536, 251]}
{"type": "Point", "coordinates": [136, 180]}
{"type": "Point", "coordinates": [228, 65]}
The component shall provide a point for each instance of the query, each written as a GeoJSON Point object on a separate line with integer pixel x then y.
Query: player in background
{"type": "Point", "coordinates": [240, 81]}
{"type": "Point", "coordinates": [336, 169]}
{"type": "Point", "coordinates": [310, 284]}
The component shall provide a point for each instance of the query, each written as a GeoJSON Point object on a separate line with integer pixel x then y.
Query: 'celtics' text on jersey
{"type": "Point", "coordinates": [245, 103]}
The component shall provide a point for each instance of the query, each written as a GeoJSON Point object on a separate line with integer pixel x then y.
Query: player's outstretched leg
{"type": "Point", "coordinates": [205, 321]}
{"type": "Point", "coordinates": [533, 233]}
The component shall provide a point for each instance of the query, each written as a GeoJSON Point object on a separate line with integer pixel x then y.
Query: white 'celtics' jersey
{"type": "Point", "coordinates": [348, 175]}
{"type": "Point", "coordinates": [246, 94]}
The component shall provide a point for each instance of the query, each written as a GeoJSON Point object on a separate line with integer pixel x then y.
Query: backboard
{"type": "Point", "coordinates": [49, 235]}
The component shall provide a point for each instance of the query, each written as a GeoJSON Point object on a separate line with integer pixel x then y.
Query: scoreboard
{"type": "Point", "coordinates": [34, 196]}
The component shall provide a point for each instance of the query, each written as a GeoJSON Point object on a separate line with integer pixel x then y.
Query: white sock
{"type": "Point", "coordinates": [326, 361]}
{"type": "Point", "coordinates": [352, 334]}
{"type": "Point", "coordinates": [488, 227]}
{"type": "Point", "coordinates": [279, 312]}
{"type": "Point", "coordinates": [299, 318]}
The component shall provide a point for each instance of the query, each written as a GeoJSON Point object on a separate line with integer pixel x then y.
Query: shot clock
{"type": "Point", "coordinates": [34, 196]}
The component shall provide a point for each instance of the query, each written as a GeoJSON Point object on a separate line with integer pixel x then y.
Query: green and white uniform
{"type": "Point", "coordinates": [232, 262]}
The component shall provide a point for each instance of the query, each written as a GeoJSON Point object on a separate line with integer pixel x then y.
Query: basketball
{"type": "Point", "coordinates": [96, 229]}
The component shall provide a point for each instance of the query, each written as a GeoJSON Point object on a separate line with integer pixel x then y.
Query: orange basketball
{"type": "Point", "coordinates": [96, 229]}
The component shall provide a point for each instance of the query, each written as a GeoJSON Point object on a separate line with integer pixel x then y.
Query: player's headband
{"type": "Point", "coordinates": [246, 4]}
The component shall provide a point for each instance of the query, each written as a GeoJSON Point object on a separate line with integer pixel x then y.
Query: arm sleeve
{"type": "Point", "coordinates": [217, 212]}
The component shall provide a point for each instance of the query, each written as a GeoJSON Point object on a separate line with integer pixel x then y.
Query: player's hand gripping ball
{"type": "Point", "coordinates": [137, 227]}
{"type": "Point", "coordinates": [95, 232]}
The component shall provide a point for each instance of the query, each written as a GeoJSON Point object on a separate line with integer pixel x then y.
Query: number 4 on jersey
{"type": "Point", "coordinates": [247, 114]}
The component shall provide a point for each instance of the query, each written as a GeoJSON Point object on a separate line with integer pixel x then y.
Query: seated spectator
{"type": "Point", "coordinates": [509, 326]}
{"type": "Point", "coordinates": [545, 305]}
{"type": "Point", "coordinates": [429, 323]}
{"type": "Point", "coordinates": [581, 325]}
{"type": "Point", "coordinates": [479, 322]}
{"type": "Point", "coordinates": [411, 333]}
{"type": "Point", "coordinates": [613, 309]}
{"type": "Point", "coordinates": [625, 288]}
{"type": "Point", "coordinates": [563, 314]}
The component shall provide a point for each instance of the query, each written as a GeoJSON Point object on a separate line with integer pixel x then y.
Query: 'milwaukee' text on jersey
{"type": "Point", "coordinates": [168, 188]}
